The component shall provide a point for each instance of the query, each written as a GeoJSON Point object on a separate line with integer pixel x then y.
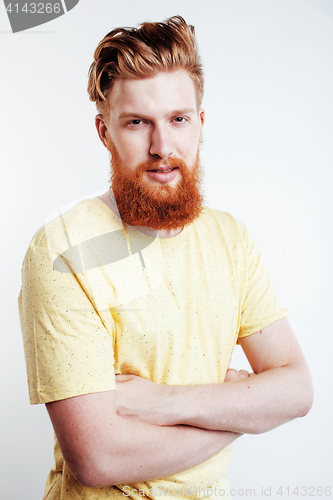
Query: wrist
{"type": "Point", "coordinates": [177, 404]}
{"type": "Point", "coordinates": [168, 405]}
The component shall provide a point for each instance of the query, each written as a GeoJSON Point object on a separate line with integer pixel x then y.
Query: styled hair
{"type": "Point", "coordinates": [140, 53]}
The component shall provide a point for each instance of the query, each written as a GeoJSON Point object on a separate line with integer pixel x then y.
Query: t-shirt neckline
{"type": "Point", "coordinates": [165, 242]}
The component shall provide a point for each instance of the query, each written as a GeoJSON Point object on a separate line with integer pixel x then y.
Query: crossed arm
{"type": "Point", "coordinates": [145, 431]}
{"type": "Point", "coordinates": [279, 390]}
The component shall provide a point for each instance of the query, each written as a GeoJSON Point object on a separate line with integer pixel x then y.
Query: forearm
{"type": "Point", "coordinates": [280, 390]}
{"type": "Point", "coordinates": [253, 405]}
{"type": "Point", "coordinates": [145, 452]}
{"type": "Point", "coordinates": [103, 448]}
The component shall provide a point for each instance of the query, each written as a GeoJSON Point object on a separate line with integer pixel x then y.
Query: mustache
{"type": "Point", "coordinates": [157, 163]}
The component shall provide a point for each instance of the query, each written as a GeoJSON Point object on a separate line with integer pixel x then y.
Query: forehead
{"type": "Point", "coordinates": [163, 93]}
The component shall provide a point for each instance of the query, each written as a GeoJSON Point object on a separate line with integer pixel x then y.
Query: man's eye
{"type": "Point", "coordinates": [179, 119]}
{"type": "Point", "coordinates": [135, 122]}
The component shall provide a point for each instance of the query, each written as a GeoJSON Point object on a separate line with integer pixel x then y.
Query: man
{"type": "Point", "coordinates": [132, 302]}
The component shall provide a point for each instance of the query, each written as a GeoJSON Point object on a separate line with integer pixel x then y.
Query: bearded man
{"type": "Point", "coordinates": [132, 302]}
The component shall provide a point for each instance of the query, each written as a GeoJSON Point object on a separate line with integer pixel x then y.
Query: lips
{"type": "Point", "coordinates": [163, 174]}
{"type": "Point", "coordinates": [163, 170]}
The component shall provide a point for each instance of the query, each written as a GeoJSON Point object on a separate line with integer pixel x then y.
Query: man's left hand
{"type": "Point", "coordinates": [143, 399]}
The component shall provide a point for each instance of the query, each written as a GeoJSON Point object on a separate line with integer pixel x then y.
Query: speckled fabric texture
{"type": "Point", "coordinates": [99, 298]}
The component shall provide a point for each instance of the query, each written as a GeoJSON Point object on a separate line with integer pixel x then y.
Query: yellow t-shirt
{"type": "Point", "coordinates": [99, 298]}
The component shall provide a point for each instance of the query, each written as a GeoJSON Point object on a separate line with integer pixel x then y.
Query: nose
{"type": "Point", "coordinates": [160, 144]}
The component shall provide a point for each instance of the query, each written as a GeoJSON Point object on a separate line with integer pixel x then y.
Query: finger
{"type": "Point", "coordinates": [231, 375]}
{"type": "Point", "coordinates": [243, 374]}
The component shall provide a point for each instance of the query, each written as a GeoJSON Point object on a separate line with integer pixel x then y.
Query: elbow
{"type": "Point", "coordinates": [304, 399]}
{"type": "Point", "coordinates": [90, 471]}
{"type": "Point", "coordinates": [87, 480]}
{"type": "Point", "coordinates": [90, 479]}
{"type": "Point", "coordinates": [95, 462]}
{"type": "Point", "coordinates": [306, 404]}
{"type": "Point", "coordinates": [94, 478]}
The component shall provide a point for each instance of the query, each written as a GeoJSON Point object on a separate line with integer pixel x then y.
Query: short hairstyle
{"type": "Point", "coordinates": [140, 52]}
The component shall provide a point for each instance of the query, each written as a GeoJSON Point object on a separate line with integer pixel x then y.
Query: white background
{"type": "Point", "coordinates": [268, 160]}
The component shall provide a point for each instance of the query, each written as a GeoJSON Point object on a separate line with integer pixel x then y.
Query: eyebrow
{"type": "Point", "coordinates": [184, 111]}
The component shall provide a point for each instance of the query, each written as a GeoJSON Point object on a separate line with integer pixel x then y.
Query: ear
{"type": "Point", "coordinates": [101, 129]}
{"type": "Point", "coordinates": [201, 117]}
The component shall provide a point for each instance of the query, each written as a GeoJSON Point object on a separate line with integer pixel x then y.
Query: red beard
{"type": "Point", "coordinates": [159, 205]}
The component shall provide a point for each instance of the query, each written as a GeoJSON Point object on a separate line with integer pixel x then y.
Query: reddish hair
{"type": "Point", "coordinates": [140, 52]}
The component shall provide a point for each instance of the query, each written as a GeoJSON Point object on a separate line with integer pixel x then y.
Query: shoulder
{"type": "Point", "coordinates": [66, 234]}
{"type": "Point", "coordinates": [86, 219]}
{"type": "Point", "coordinates": [221, 224]}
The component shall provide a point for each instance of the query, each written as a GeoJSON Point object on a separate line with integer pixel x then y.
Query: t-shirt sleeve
{"type": "Point", "coordinates": [68, 345]}
{"type": "Point", "coordinates": [260, 305]}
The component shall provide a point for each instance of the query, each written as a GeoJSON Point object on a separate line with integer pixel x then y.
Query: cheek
{"type": "Point", "coordinates": [132, 151]}
{"type": "Point", "coordinates": [125, 155]}
{"type": "Point", "coordinates": [189, 151]}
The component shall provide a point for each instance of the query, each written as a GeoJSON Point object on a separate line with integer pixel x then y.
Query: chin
{"type": "Point", "coordinates": [161, 187]}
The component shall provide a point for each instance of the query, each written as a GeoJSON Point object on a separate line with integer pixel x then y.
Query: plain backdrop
{"type": "Point", "coordinates": [268, 160]}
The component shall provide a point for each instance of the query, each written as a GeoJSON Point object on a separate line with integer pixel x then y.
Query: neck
{"type": "Point", "coordinates": [161, 233]}
{"type": "Point", "coordinates": [149, 231]}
